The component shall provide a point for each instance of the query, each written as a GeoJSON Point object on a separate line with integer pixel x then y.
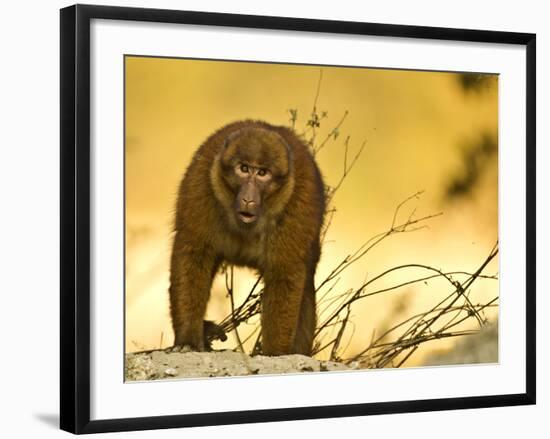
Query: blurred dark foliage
{"type": "Point", "coordinates": [476, 157]}
{"type": "Point", "coordinates": [476, 82]}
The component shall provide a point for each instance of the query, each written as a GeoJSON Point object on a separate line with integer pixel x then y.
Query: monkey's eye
{"type": "Point", "coordinates": [244, 168]}
{"type": "Point", "coordinates": [263, 174]}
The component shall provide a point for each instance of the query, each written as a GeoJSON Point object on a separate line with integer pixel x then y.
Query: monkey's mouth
{"type": "Point", "coordinates": [247, 217]}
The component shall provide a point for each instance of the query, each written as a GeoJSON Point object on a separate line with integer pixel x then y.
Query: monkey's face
{"type": "Point", "coordinates": [253, 179]}
{"type": "Point", "coordinates": [255, 165]}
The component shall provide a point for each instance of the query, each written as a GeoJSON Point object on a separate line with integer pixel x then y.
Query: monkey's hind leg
{"type": "Point", "coordinates": [190, 281]}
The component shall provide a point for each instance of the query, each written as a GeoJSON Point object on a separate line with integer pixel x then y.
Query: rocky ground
{"type": "Point", "coordinates": [164, 364]}
{"type": "Point", "coordinates": [169, 363]}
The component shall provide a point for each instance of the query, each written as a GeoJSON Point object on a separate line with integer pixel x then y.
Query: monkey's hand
{"type": "Point", "coordinates": [213, 332]}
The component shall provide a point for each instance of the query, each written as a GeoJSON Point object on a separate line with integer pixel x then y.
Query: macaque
{"type": "Point", "coordinates": [252, 196]}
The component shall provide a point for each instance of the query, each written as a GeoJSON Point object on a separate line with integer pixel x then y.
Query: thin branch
{"type": "Point", "coordinates": [347, 168]}
{"type": "Point", "coordinates": [334, 133]}
{"type": "Point", "coordinates": [229, 287]}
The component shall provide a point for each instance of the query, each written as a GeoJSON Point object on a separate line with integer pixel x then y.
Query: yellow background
{"type": "Point", "coordinates": [415, 125]}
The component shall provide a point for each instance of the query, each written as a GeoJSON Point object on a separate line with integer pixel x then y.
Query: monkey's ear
{"type": "Point", "coordinates": [289, 152]}
{"type": "Point", "coordinates": [287, 145]}
{"type": "Point", "coordinates": [224, 154]}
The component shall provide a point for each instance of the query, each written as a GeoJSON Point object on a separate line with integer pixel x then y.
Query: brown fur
{"type": "Point", "coordinates": [282, 242]}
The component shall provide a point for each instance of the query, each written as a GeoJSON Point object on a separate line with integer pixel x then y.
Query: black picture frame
{"type": "Point", "coordinates": [75, 217]}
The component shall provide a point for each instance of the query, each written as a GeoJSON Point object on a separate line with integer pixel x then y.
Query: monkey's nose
{"type": "Point", "coordinates": [248, 203]}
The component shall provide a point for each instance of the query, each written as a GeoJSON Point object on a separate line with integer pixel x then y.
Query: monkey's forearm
{"type": "Point", "coordinates": [190, 281]}
{"type": "Point", "coordinates": [280, 312]}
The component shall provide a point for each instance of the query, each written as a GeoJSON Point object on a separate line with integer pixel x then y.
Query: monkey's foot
{"type": "Point", "coordinates": [211, 332]}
